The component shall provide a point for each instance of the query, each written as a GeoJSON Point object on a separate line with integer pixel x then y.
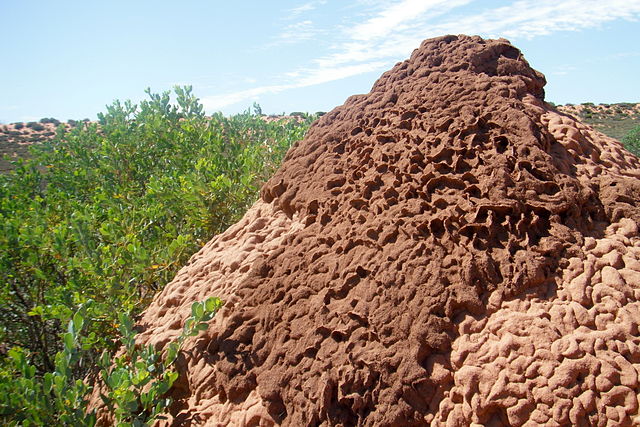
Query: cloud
{"type": "Point", "coordinates": [399, 28]}
{"type": "Point", "coordinates": [302, 78]}
{"type": "Point", "coordinates": [532, 18]}
{"type": "Point", "coordinates": [563, 70]}
{"type": "Point", "coordinates": [394, 16]}
{"type": "Point", "coordinates": [390, 30]}
{"type": "Point", "coordinates": [294, 33]}
{"type": "Point", "coordinates": [217, 102]}
{"type": "Point", "coordinates": [305, 7]}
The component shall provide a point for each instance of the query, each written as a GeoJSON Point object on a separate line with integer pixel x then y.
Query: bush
{"type": "Point", "coordinates": [35, 126]}
{"type": "Point", "coordinates": [108, 212]}
{"type": "Point", "coordinates": [18, 125]}
{"type": "Point", "coordinates": [136, 382]}
{"type": "Point", "coordinates": [631, 141]}
{"type": "Point", "coordinates": [50, 120]}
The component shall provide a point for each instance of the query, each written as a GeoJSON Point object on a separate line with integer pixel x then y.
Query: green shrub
{"type": "Point", "coordinates": [631, 141]}
{"type": "Point", "coordinates": [18, 125]}
{"type": "Point", "coordinates": [50, 120]}
{"type": "Point", "coordinates": [108, 212]}
{"type": "Point", "coordinates": [35, 126]}
{"type": "Point", "coordinates": [137, 381]}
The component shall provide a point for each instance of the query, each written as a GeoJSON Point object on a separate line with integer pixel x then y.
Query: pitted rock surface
{"type": "Point", "coordinates": [447, 250]}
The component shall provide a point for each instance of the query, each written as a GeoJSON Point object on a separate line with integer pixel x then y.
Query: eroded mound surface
{"type": "Point", "coordinates": [447, 249]}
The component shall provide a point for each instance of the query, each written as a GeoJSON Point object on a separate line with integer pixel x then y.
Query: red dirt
{"type": "Point", "coordinates": [447, 249]}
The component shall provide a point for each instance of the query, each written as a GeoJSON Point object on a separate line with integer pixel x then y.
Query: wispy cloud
{"type": "Point", "coordinates": [303, 8]}
{"type": "Point", "coordinates": [532, 18]}
{"type": "Point", "coordinates": [399, 16]}
{"type": "Point", "coordinates": [299, 79]}
{"type": "Point", "coordinates": [392, 29]}
{"type": "Point", "coordinates": [297, 32]}
{"type": "Point", "coordinates": [589, 61]}
{"type": "Point", "coordinates": [395, 31]}
{"type": "Point", "coordinates": [563, 70]}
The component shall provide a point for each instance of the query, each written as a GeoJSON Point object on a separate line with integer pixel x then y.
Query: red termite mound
{"type": "Point", "coordinates": [447, 249]}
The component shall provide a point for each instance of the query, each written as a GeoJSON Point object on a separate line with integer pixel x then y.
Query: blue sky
{"type": "Point", "coordinates": [68, 59]}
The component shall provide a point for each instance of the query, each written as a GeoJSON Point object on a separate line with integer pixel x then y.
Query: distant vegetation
{"type": "Point", "coordinates": [97, 220]}
{"type": "Point", "coordinates": [632, 141]}
{"type": "Point", "coordinates": [614, 120]}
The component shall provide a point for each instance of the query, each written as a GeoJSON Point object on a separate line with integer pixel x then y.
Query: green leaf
{"type": "Point", "coordinates": [188, 325]}
{"type": "Point", "coordinates": [140, 378]}
{"type": "Point", "coordinates": [78, 321]}
{"type": "Point", "coordinates": [69, 343]}
{"type": "Point", "coordinates": [105, 359]}
{"type": "Point", "coordinates": [36, 311]}
{"type": "Point", "coordinates": [125, 322]}
{"type": "Point", "coordinates": [172, 353]}
{"type": "Point", "coordinates": [171, 377]}
{"type": "Point", "coordinates": [47, 382]}
{"type": "Point", "coordinates": [197, 310]}
{"type": "Point", "coordinates": [213, 304]}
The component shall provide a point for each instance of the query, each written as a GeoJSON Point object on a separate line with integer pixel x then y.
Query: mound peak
{"type": "Point", "coordinates": [447, 249]}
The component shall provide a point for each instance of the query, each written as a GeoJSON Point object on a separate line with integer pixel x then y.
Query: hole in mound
{"type": "Point", "coordinates": [511, 53]}
{"type": "Point", "coordinates": [437, 227]}
{"type": "Point", "coordinates": [473, 191]}
{"type": "Point", "coordinates": [501, 143]}
{"type": "Point", "coordinates": [325, 219]}
{"type": "Point", "coordinates": [408, 115]}
{"type": "Point", "coordinates": [337, 181]}
{"type": "Point", "coordinates": [551, 188]}
{"type": "Point", "coordinates": [361, 272]}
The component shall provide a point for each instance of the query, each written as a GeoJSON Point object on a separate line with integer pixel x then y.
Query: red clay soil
{"type": "Point", "coordinates": [445, 250]}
